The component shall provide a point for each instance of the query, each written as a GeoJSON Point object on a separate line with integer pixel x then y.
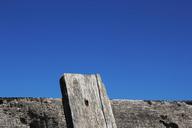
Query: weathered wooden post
{"type": "Point", "coordinates": [86, 104]}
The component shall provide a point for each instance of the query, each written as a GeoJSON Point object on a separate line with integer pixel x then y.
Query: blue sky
{"type": "Point", "coordinates": [142, 48]}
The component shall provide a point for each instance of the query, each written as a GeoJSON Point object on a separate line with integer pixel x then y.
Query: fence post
{"type": "Point", "coordinates": [85, 101]}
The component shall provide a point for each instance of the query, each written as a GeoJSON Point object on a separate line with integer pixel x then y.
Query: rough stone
{"type": "Point", "coordinates": [48, 113]}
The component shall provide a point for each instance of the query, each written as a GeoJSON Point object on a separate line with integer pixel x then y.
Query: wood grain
{"type": "Point", "coordinates": [86, 102]}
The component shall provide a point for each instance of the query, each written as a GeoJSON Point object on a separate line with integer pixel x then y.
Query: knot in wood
{"type": "Point", "coordinates": [86, 102]}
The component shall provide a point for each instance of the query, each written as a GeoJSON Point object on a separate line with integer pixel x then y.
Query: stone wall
{"type": "Point", "coordinates": [48, 113]}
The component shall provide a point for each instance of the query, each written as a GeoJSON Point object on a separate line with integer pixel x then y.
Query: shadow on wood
{"type": "Point", "coordinates": [65, 103]}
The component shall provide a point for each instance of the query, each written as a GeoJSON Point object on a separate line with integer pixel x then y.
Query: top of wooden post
{"type": "Point", "coordinates": [86, 104]}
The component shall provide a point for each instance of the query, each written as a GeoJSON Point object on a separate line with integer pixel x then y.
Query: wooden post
{"type": "Point", "coordinates": [86, 104]}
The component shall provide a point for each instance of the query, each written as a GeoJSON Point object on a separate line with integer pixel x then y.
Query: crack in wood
{"type": "Point", "coordinates": [102, 108]}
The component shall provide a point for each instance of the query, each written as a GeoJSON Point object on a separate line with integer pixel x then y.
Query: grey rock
{"type": "Point", "coordinates": [48, 113]}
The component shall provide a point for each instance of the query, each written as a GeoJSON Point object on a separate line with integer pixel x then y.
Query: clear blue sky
{"type": "Point", "coordinates": [142, 48]}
